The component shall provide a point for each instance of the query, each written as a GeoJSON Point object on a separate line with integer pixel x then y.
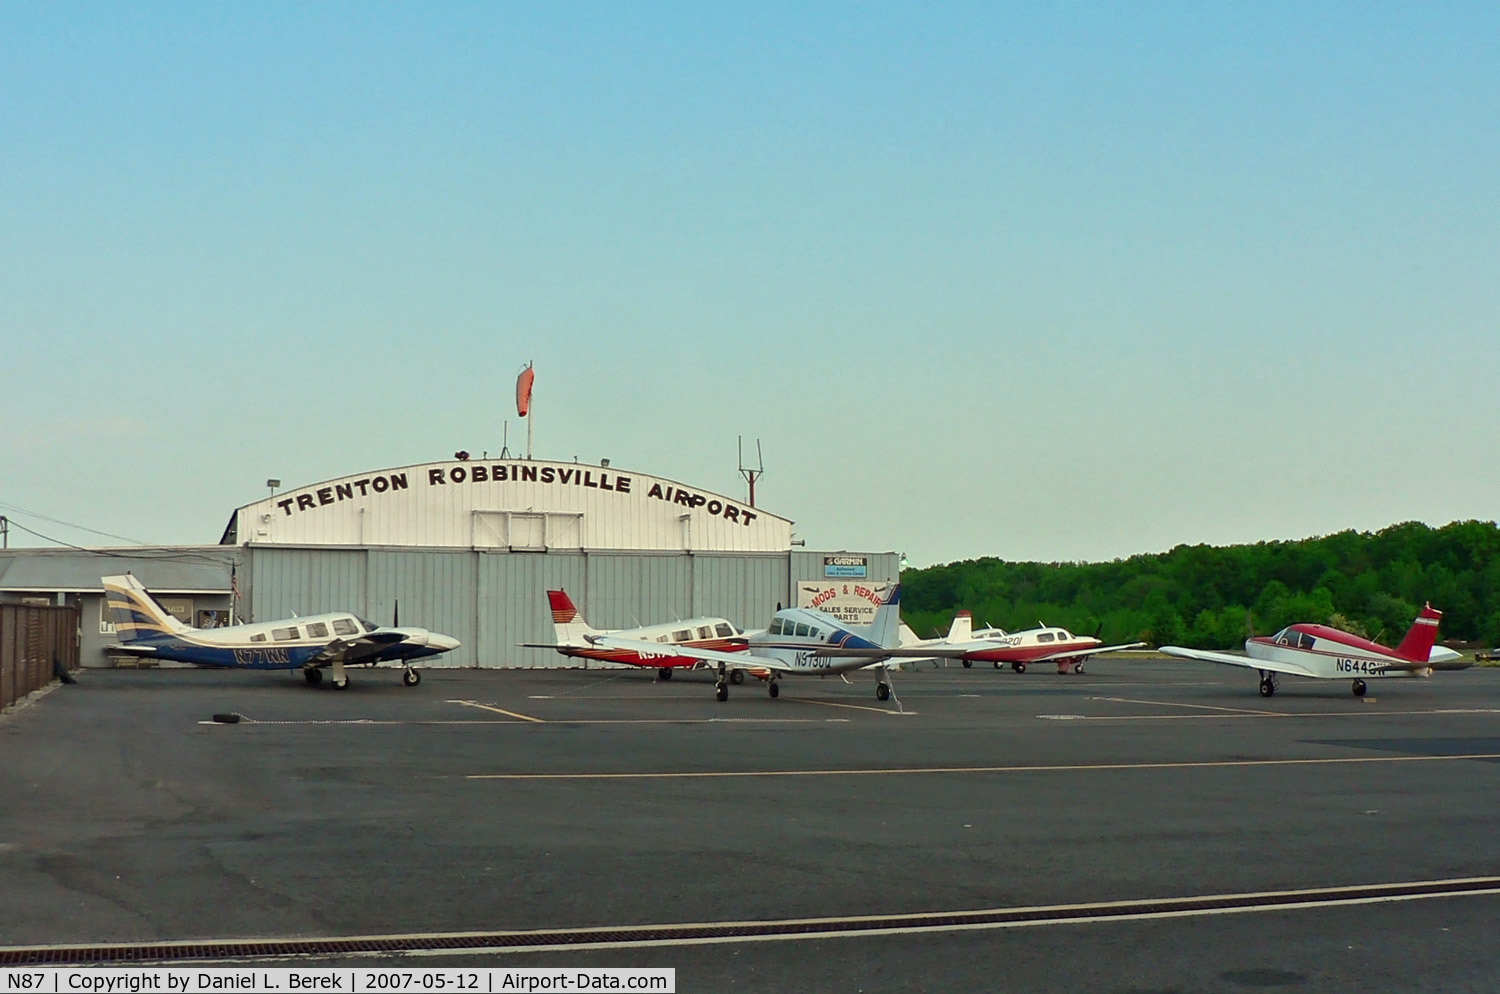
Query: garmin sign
{"type": "Point", "coordinates": [850, 567]}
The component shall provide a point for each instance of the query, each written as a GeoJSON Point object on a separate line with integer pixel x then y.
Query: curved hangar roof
{"type": "Point", "coordinates": [523, 505]}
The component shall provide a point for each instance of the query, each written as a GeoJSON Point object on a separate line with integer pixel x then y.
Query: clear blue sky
{"type": "Point", "coordinates": [1041, 281]}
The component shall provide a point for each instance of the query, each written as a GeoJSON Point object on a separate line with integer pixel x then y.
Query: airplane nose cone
{"type": "Point", "coordinates": [442, 643]}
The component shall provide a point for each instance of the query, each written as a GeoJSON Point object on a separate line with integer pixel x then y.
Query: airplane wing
{"type": "Point", "coordinates": [1246, 662]}
{"type": "Point", "coordinates": [366, 649]}
{"type": "Point", "coordinates": [903, 652]}
{"type": "Point", "coordinates": [731, 660]}
{"type": "Point", "coordinates": [1088, 652]}
{"type": "Point", "coordinates": [855, 658]}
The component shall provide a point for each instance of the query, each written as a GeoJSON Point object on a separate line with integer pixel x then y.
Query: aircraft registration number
{"type": "Point", "coordinates": [252, 657]}
{"type": "Point", "coordinates": [1371, 667]}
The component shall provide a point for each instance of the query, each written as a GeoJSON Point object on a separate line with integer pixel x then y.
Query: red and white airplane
{"type": "Point", "coordinates": [997, 646]}
{"type": "Point", "coordinates": [575, 637]}
{"type": "Point", "coordinates": [1325, 653]}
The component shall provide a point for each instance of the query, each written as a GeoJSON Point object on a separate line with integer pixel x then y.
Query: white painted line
{"type": "Point", "coordinates": [910, 771]}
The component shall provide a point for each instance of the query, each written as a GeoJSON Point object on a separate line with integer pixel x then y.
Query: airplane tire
{"type": "Point", "coordinates": [341, 684]}
{"type": "Point", "coordinates": [1359, 688]}
{"type": "Point", "coordinates": [1267, 688]}
{"type": "Point", "coordinates": [313, 677]}
{"type": "Point", "coordinates": [737, 677]}
{"type": "Point", "coordinates": [664, 673]}
{"type": "Point", "coordinates": [411, 678]}
{"type": "Point", "coordinates": [1019, 667]}
{"type": "Point", "coordinates": [882, 691]}
{"type": "Point", "coordinates": [774, 689]}
{"type": "Point", "coordinates": [968, 663]}
{"type": "Point", "coordinates": [721, 691]}
{"type": "Point", "coordinates": [997, 664]}
{"type": "Point", "coordinates": [1078, 668]}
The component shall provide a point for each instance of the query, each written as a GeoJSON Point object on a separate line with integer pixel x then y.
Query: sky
{"type": "Point", "coordinates": [1043, 281]}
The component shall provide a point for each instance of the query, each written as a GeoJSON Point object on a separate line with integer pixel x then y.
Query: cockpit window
{"type": "Point", "coordinates": [812, 632]}
{"type": "Point", "coordinates": [775, 628]}
{"type": "Point", "coordinates": [344, 626]}
{"type": "Point", "coordinates": [370, 626]}
{"type": "Point", "coordinates": [682, 635]}
{"type": "Point", "coordinates": [801, 630]}
{"type": "Point", "coordinates": [1281, 637]}
{"type": "Point", "coordinates": [317, 630]}
{"type": "Point", "coordinates": [706, 632]}
{"type": "Point", "coordinates": [724, 630]}
{"type": "Point", "coordinates": [1062, 635]}
{"type": "Point", "coordinates": [1045, 637]}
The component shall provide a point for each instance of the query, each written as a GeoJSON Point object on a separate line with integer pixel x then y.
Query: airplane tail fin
{"type": "Point", "coordinates": [1421, 637]}
{"type": "Point", "coordinates": [135, 613]}
{"type": "Point", "coordinates": [962, 629]}
{"type": "Point", "coordinates": [567, 620]}
{"type": "Point", "coordinates": [885, 630]}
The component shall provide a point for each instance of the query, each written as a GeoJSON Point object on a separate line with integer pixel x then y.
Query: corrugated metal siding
{"type": "Point", "coordinates": [307, 581]}
{"type": "Point", "coordinates": [627, 591]}
{"type": "Point", "coordinates": [512, 604]}
{"type": "Point", "coordinates": [744, 589]}
{"type": "Point", "coordinates": [436, 589]}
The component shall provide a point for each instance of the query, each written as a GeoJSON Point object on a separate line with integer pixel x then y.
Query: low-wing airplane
{"type": "Point", "coordinates": [1325, 653]}
{"type": "Point", "coordinates": [997, 646]}
{"type": "Point", "coordinates": [800, 641]}
{"type": "Point", "coordinates": [658, 646]}
{"type": "Point", "coordinates": [311, 644]}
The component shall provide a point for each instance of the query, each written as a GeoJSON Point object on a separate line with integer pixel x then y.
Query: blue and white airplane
{"type": "Point", "coordinates": [800, 641]}
{"type": "Point", "coordinates": [311, 644]}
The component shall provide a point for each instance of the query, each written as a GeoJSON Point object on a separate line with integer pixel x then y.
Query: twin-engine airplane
{"type": "Point", "coordinates": [799, 642]}
{"type": "Point", "coordinates": [1325, 653]}
{"type": "Point", "coordinates": [659, 646]}
{"type": "Point", "coordinates": [995, 645]}
{"type": "Point", "coordinates": [311, 644]}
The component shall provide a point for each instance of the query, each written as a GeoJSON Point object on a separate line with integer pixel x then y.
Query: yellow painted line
{"type": "Point", "coordinates": [508, 714]}
{"type": "Point", "coordinates": [1178, 704]}
{"type": "Point", "coordinates": [833, 703]}
{"type": "Point", "coordinates": [907, 771]}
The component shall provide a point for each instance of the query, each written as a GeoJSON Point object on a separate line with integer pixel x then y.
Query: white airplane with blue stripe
{"type": "Point", "coordinates": [800, 641]}
{"type": "Point", "coordinates": [312, 644]}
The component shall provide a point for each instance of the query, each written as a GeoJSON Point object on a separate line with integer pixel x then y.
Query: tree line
{"type": "Point", "coordinates": [1371, 584]}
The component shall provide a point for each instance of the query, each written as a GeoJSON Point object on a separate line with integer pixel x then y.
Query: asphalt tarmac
{"type": "Point", "coordinates": [568, 801]}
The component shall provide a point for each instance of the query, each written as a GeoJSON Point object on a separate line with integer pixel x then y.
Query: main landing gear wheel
{"type": "Point", "coordinates": [1077, 667]}
{"type": "Point", "coordinates": [968, 663]}
{"type": "Point", "coordinates": [882, 691]}
{"type": "Point", "coordinates": [1359, 688]}
{"type": "Point", "coordinates": [664, 673]}
{"type": "Point", "coordinates": [774, 689]}
{"type": "Point", "coordinates": [1018, 667]}
{"type": "Point", "coordinates": [313, 676]}
{"type": "Point", "coordinates": [737, 677]}
{"type": "Point", "coordinates": [721, 690]}
{"type": "Point", "coordinates": [411, 678]}
{"type": "Point", "coordinates": [1267, 688]}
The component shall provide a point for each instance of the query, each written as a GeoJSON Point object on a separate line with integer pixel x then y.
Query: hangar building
{"type": "Point", "coordinates": [468, 548]}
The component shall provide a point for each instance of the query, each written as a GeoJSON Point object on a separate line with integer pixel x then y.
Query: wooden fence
{"type": "Point", "coordinates": [36, 644]}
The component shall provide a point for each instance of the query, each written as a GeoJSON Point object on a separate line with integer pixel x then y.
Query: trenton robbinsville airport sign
{"type": "Point", "coordinates": [517, 504]}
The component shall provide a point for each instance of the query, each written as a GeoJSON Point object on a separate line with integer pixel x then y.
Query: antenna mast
{"type": "Point", "coordinates": [751, 475]}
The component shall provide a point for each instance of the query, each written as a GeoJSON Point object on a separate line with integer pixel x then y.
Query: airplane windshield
{"type": "Point", "coordinates": [369, 626]}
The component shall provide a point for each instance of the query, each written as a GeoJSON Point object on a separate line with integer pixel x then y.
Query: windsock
{"type": "Point", "coordinates": [523, 390]}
